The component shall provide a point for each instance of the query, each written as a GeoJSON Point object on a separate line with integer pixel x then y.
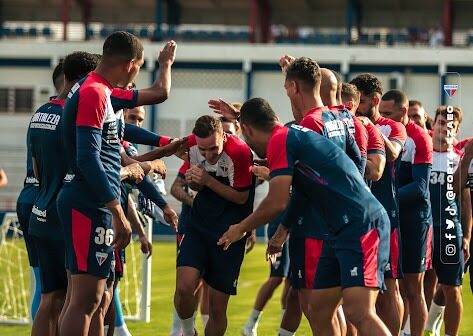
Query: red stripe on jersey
{"type": "Point", "coordinates": [313, 120]}
{"type": "Point", "coordinates": [122, 94]}
{"type": "Point", "coordinates": [375, 139]}
{"type": "Point", "coordinates": [118, 262]}
{"type": "Point", "coordinates": [81, 227]}
{"type": "Point", "coordinates": [460, 144]}
{"type": "Point", "coordinates": [92, 104]}
{"type": "Point", "coordinates": [361, 136]}
{"type": "Point", "coordinates": [428, 250]}
{"type": "Point", "coordinates": [277, 150]}
{"type": "Point", "coordinates": [394, 248]}
{"type": "Point", "coordinates": [312, 253]}
{"type": "Point", "coordinates": [185, 166]}
{"type": "Point", "coordinates": [59, 102]}
{"type": "Point", "coordinates": [242, 158]}
{"type": "Point", "coordinates": [369, 246]}
{"type": "Point", "coordinates": [422, 141]}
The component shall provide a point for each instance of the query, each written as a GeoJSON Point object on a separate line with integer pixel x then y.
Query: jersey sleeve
{"type": "Point", "coordinates": [280, 158]}
{"type": "Point", "coordinates": [182, 171]}
{"type": "Point", "coordinates": [361, 137]}
{"type": "Point", "coordinates": [142, 136]}
{"type": "Point", "coordinates": [150, 190]}
{"type": "Point", "coordinates": [121, 98]}
{"type": "Point", "coordinates": [398, 133]}
{"type": "Point", "coordinates": [91, 108]}
{"type": "Point", "coordinates": [375, 140]}
{"type": "Point", "coordinates": [423, 153]}
{"type": "Point", "coordinates": [242, 161]}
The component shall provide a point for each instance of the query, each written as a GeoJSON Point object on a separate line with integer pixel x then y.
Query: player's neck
{"type": "Point", "coordinates": [109, 74]}
{"type": "Point", "coordinates": [310, 102]}
{"type": "Point", "coordinates": [440, 145]}
{"type": "Point", "coordinates": [67, 87]}
{"type": "Point", "coordinates": [375, 116]}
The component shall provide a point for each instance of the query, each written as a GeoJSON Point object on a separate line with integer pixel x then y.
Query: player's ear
{"type": "Point", "coordinates": [129, 65]}
{"type": "Point", "coordinates": [376, 100]}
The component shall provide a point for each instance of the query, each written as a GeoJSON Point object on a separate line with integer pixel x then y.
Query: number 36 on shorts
{"type": "Point", "coordinates": [103, 235]}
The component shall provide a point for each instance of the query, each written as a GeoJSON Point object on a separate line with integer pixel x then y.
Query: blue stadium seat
{"type": "Point", "coordinates": [376, 38]}
{"type": "Point", "coordinates": [403, 37]}
{"type": "Point", "coordinates": [89, 33]}
{"type": "Point", "coordinates": [33, 31]}
{"type": "Point", "coordinates": [216, 35]}
{"type": "Point", "coordinates": [336, 38]}
{"type": "Point", "coordinates": [243, 36]}
{"type": "Point", "coordinates": [470, 40]}
{"type": "Point", "coordinates": [47, 31]}
{"type": "Point", "coordinates": [144, 32]}
{"type": "Point", "coordinates": [19, 32]}
{"type": "Point", "coordinates": [363, 39]}
{"type": "Point", "coordinates": [189, 35]}
{"type": "Point", "coordinates": [7, 32]}
{"type": "Point", "coordinates": [104, 32]}
{"type": "Point", "coordinates": [390, 39]}
{"type": "Point", "coordinates": [318, 38]}
{"type": "Point", "coordinates": [131, 31]}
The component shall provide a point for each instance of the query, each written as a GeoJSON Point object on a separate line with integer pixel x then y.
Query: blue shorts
{"type": "Point", "coordinates": [394, 266]}
{"type": "Point", "coordinates": [448, 259]}
{"type": "Point", "coordinates": [220, 269]}
{"type": "Point", "coordinates": [88, 236]}
{"type": "Point", "coordinates": [416, 246]}
{"type": "Point", "coordinates": [23, 211]}
{"type": "Point", "coordinates": [51, 256]}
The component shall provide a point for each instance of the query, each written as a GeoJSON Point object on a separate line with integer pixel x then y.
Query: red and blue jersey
{"type": "Point", "coordinates": [324, 174]}
{"type": "Point", "coordinates": [211, 213]}
{"type": "Point", "coordinates": [29, 193]}
{"type": "Point", "coordinates": [91, 141]}
{"type": "Point", "coordinates": [375, 140]}
{"type": "Point", "coordinates": [444, 208]}
{"type": "Point", "coordinates": [385, 189]}
{"type": "Point", "coordinates": [414, 176]}
{"type": "Point", "coordinates": [45, 142]}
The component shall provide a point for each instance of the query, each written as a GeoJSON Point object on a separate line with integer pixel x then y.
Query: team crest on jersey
{"type": "Point", "coordinates": [385, 129]}
{"type": "Point", "coordinates": [450, 89]}
{"type": "Point", "coordinates": [101, 257]}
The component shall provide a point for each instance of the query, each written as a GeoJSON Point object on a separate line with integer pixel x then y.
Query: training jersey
{"type": "Point", "coordinates": [211, 214]}
{"type": "Point", "coordinates": [461, 144]}
{"type": "Point", "coordinates": [414, 176]}
{"type": "Point", "coordinates": [45, 143]}
{"type": "Point", "coordinates": [444, 206]}
{"type": "Point", "coordinates": [184, 216]}
{"type": "Point", "coordinates": [91, 142]}
{"type": "Point", "coordinates": [324, 174]}
{"type": "Point", "coordinates": [385, 189]}
{"type": "Point", "coordinates": [29, 193]}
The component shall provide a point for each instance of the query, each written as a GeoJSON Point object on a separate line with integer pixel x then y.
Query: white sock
{"type": "Point", "coordinates": [284, 332]}
{"type": "Point", "coordinates": [253, 320]}
{"type": "Point", "coordinates": [176, 328]}
{"type": "Point", "coordinates": [407, 328]}
{"type": "Point", "coordinates": [435, 314]}
{"type": "Point", "coordinates": [105, 329]}
{"type": "Point", "coordinates": [122, 331]}
{"type": "Point", "coordinates": [188, 326]}
{"type": "Point", "coordinates": [283, 311]}
{"type": "Point", "coordinates": [205, 319]}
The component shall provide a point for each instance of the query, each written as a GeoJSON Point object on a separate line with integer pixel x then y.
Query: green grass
{"type": "Point", "coordinates": [254, 272]}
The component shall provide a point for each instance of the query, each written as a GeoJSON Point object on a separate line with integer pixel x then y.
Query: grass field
{"type": "Point", "coordinates": [254, 272]}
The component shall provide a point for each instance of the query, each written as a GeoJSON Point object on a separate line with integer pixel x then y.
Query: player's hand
{"type": "Point", "coordinates": [121, 230]}
{"type": "Point", "coordinates": [177, 146]}
{"type": "Point", "coordinates": [146, 246]}
{"type": "Point", "coordinates": [159, 167]}
{"type": "Point", "coordinates": [233, 234]}
{"type": "Point", "coordinates": [364, 120]}
{"type": "Point", "coordinates": [466, 249]}
{"type": "Point", "coordinates": [199, 175]}
{"type": "Point", "coordinates": [170, 216]}
{"type": "Point", "coordinates": [168, 54]}
{"type": "Point", "coordinates": [225, 109]}
{"type": "Point", "coordinates": [250, 242]}
{"type": "Point", "coordinates": [192, 184]}
{"type": "Point", "coordinates": [135, 172]}
{"type": "Point", "coordinates": [276, 243]}
{"type": "Point", "coordinates": [261, 172]}
{"type": "Point", "coordinates": [284, 61]}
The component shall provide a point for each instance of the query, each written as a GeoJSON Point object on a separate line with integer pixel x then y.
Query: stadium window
{"type": "Point", "coordinates": [16, 100]}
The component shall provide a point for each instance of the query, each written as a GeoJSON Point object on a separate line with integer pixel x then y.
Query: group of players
{"type": "Point", "coordinates": [364, 195]}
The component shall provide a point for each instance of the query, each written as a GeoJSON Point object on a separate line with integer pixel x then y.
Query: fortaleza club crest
{"type": "Point", "coordinates": [450, 89]}
{"type": "Point", "coordinates": [101, 257]}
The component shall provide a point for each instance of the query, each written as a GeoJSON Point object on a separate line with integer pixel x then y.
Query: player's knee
{"type": "Point", "coordinates": [452, 292]}
{"type": "Point", "coordinates": [183, 291]}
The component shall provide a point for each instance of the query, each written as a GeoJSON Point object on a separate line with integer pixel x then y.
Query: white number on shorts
{"type": "Point", "coordinates": [103, 236]}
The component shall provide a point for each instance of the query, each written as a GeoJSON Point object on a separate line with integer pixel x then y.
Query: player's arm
{"type": "Point", "coordinates": [157, 166]}
{"type": "Point", "coordinates": [273, 204]}
{"type": "Point", "coordinates": [177, 147]}
{"type": "Point", "coordinates": [375, 164]}
{"type": "Point", "coordinates": [353, 151]}
{"type": "Point", "coordinates": [393, 149]}
{"type": "Point", "coordinates": [177, 190]}
{"type": "Point", "coordinates": [139, 135]}
{"type": "Point", "coordinates": [460, 177]}
{"type": "Point", "coordinates": [133, 218]}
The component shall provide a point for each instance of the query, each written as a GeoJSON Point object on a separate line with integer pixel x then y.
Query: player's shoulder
{"type": "Point", "coordinates": [418, 134]}
{"type": "Point", "coordinates": [234, 145]}
{"type": "Point", "coordinates": [191, 141]}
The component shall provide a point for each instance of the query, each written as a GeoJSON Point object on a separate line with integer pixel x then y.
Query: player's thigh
{"type": "Point", "coordinates": [23, 212]}
{"type": "Point", "coordinates": [51, 255]}
{"type": "Point", "coordinates": [87, 292]}
{"type": "Point", "coordinates": [394, 266]}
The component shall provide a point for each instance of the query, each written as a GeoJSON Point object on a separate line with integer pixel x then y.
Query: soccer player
{"type": "Point", "coordinates": [319, 169]}
{"type": "Point", "coordinates": [451, 224]}
{"type": "Point", "coordinates": [418, 114]}
{"type": "Point", "coordinates": [89, 209]}
{"type": "Point", "coordinates": [45, 141]}
{"type": "Point", "coordinates": [389, 306]}
{"type": "Point", "coordinates": [414, 207]}
{"type": "Point", "coordinates": [220, 170]}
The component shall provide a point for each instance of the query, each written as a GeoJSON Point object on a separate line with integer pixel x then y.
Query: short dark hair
{"type": "Point", "coordinates": [413, 102]}
{"type": "Point", "coordinates": [367, 84]}
{"type": "Point", "coordinates": [399, 97]}
{"type": "Point", "coordinates": [78, 64]}
{"type": "Point", "coordinates": [206, 126]}
{"type": "Point", "coordinates": [122, 45]}
{"type": "Point", "coordinates": [58, 72]}
{"type": "Point", "coordinates": [442, 110]}
{"type": "Point", "coordinates": [257, 113]}
{"type": "Point", "coordinates": [304, 69]}
{"type": "Point", "coordinates": [349, 92]}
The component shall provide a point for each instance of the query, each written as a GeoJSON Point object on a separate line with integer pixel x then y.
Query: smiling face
{"type": "Point", "coordinates": [211, 147]}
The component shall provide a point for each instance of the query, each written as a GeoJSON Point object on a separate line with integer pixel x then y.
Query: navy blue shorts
{"type": "Point", "coordinates": [220, 269]}
{"type": "Point", "coordinates": [23, 211]}
{"type": "Point", "coordinates": [416, 246]}
{"type": "Point", "coordinates": [448, 259]}
{"type": "Point", "coordinates": [363, 253]}
{"type": "Point", "coordinates": [51, 255]}
{"type": "Point", "coordinates": [88, 236]}
{"type": "Point", "coordinates": [394, 266]}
